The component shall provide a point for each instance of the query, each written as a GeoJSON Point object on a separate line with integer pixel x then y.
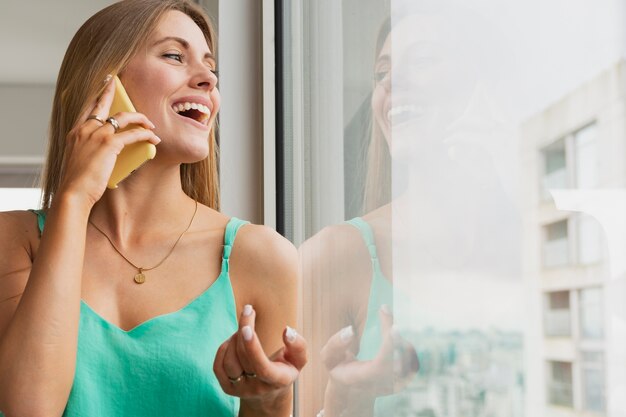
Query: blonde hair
{"type": "Point", "coordinates": [377, 189]}
{"type": "Point", "coordinates": [103, 45]}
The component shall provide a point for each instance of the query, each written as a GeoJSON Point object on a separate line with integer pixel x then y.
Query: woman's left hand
{"type": "Point", "coordinates": [263, 383]}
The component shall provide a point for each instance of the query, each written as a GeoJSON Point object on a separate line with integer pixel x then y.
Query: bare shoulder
{"type": "Point", "coordinates": [18, 232]}
{"type": "Point", "coordinates": [19, 237]}
{"type": "Point", "coordinates": [262, 253]}
{"type": "Point", "coordinates": [339, 248]}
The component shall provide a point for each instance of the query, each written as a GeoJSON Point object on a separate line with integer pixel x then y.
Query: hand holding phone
{"type": "Point", "coordinates": [132, 156]}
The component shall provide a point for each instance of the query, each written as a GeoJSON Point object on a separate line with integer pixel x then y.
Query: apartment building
{"type": "Point", "coordinates": [573, 174]}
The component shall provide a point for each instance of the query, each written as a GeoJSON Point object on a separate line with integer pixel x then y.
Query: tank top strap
{"type": "Point", "coordinates": [41, 219]}
{"type": "Point", "coordinates": [368, 237]}
{"type": "Point", "coordinates": [233, 226]}
{"type": "Point", "coordinates": [367, 234]}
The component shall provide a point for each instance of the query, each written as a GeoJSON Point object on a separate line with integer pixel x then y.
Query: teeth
{"type": "Point", "coordinates": [397, 110]}
{"type": "Point", "coordinates": [181, 107]}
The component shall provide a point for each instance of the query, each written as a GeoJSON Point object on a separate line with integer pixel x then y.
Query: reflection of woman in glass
{"type": "Point", "coordinates": [143, 300]}
{"type": "Point", "coordinates": [358, 358]}
{"type": "Point", "coordinates": [430, 118]}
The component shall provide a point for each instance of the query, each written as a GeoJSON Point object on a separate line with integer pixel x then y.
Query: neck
{"type": "Point", "coordinates": [148, 205]}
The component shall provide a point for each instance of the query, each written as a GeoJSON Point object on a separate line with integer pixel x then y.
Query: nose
{"type": "Point", "coordinates": [203, 77]}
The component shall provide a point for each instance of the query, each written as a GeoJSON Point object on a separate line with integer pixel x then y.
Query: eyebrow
{"type": "Point", "coordinates": [184, 44]}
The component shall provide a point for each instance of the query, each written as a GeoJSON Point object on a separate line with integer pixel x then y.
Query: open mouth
{"type": "Point", "coordinates": [198, 112]}
{"type": "Point", "coordinates": [402, 114]}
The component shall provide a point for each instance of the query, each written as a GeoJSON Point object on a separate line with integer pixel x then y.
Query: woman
{"type": "Point", "coordinates": [80, 334]}
{"type": "Point", "coordinates": [359, 360]}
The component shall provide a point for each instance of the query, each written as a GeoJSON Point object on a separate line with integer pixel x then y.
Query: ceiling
{"type": "Point", "coordinates": [34, 35]}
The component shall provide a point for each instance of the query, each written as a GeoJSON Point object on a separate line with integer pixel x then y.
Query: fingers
{"type": "Point", "coordinates": [219, 367]}
{"type": "Point", "coordinates": [277, 370]}
{"type": "Point", "coordinates": [231, 365]}
{"type": "Point", "coordinates": [125, 120]}
{"type": "Point", "coordinates": [243, 356]}
{"type": "Point", "coordinates": [295, 351]}
{"type": "Point", "coordinates": [102, 104]}
{"type": "Point", "coordinates": [253, 357]}
{"type": "Point", "coordinates": [334, 351]}
{"type": "Point", "coordinates": [246, 331]}
{"type": "Point", "coordinates": [106, 132]}
{"type": "Point", "coordinates": [102, 107]}
{"type": "Point", "coordinates": [386, 333]}
{"type": "Point", "coordinates": [390, 370]}
{"type": "Point", "coordinates": [236, 360]}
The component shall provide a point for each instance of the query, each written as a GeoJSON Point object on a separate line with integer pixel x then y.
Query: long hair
{"type": "Point", "coordinates": [103, 45]}
{"type": "Point", "coordinates": [377, 189]}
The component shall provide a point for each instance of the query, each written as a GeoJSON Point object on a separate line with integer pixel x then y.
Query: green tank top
{"type": "Point", "coordinates": [162, 367]}
{"type": "Point", "coordinates": [381, 292]}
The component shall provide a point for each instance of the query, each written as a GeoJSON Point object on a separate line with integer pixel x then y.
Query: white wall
{"type": "Point", "coordinates": [241, 114]}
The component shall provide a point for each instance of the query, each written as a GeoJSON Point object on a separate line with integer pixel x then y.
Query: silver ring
{"type": "Point", "coordinates": [96, 117]}
{"type": "Point", "coordinates": [249, 374]}
{"type": "Point", "coordinates": [235, 380]}
{"type": "Point", "coordinates": [114, 123]}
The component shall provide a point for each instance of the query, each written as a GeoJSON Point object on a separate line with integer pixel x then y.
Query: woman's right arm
{"type": "Point", "coordinates": [39, 329]}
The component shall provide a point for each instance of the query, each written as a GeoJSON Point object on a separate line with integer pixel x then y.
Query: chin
{"type": "Point", "coordinates": [193, 157]}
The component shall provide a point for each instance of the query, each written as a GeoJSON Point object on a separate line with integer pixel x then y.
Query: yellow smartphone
{"type": "Point", "coordinates": [132, 156]}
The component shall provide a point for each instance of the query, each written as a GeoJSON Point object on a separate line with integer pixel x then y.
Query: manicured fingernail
{"type": "Point", "coordinates": [107, 78]}
{"type": "Point", "coordinates": [247, 310]}
{"type": "Point", "coordinates": [247, 333]}
{"type": "Point", "coordinates": [385, 309]}
{"type": "Point", "coordinates": [346, 333]}
{"type": "Point", "coordinates": [291, 335]}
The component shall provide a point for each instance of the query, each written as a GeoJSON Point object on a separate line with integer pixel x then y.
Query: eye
{"type": "Point", "coordinates": [174, 56]}
{"type": "Point", "coordinates": [380, 76]}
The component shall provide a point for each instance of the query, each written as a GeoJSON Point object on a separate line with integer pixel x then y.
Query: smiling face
{"type": "Point", "coordinates": [172, 81]}
{"type": "Point", "coordinates": [423, 84]}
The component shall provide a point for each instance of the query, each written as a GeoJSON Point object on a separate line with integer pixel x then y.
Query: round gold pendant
{"type": "Point", "coordinates": [140, 278]}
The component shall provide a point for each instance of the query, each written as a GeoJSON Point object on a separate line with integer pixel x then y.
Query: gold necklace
{"type": "Point", "coordinates": [140, 277]}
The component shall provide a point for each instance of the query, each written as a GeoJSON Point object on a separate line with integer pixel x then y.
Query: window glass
{"type": "Point", "coordinates": [591, 313]}
{"type": "Point", "coordinates": [593, 377]}
{"type": "Point", "coordinates": [557, 314]}
{"type": "Point", "coordinates": [586, 157]}
{"type": "Point", "coordinates": [444, 162]}
{"type": "Point", "coordinates": [555, 174]}
{"type": "Point", "coordinates": [560, 384]}
{"type": "Point", "coordinates": [590, 240]}
{"type": "Point", "coordinates": [556, 246]}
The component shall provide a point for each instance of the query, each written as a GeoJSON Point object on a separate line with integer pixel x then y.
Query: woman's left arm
{"type": "Point", "coordinates": [260, 362]}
